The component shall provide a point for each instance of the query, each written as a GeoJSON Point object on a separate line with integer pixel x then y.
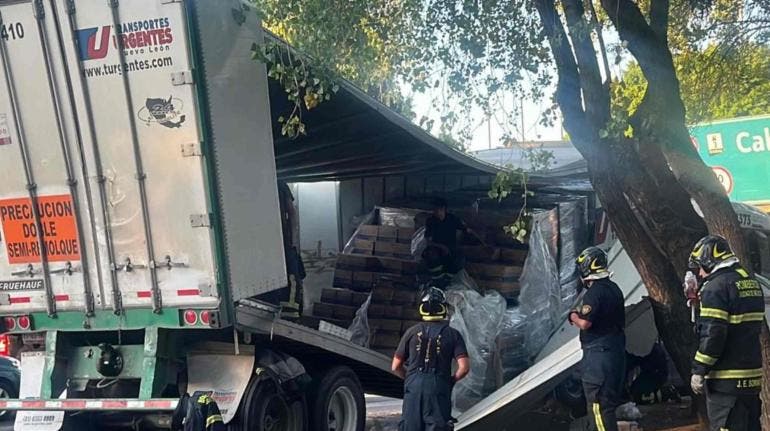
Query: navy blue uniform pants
{"type": "Point", "coordinates": [427, 403]}
{"type": "Point", "coordinates": [604, 364]}
{"type": "Point", "coordinates": [733, 412]}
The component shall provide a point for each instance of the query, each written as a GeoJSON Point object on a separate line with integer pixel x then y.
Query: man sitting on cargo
{"type": "Point", "coordinates": [424, 359]}
{"type": "Point", "coordinates": [441, 232]}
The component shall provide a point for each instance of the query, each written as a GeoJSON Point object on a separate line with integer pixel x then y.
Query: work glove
{"type": "Point", "coordinates": [696, 383]}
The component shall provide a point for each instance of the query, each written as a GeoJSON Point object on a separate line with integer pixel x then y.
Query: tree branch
{"type": "Point", "coordinates": [602, 45]}
{"type": "Point", "coordinates": [568, 88]}
{"type": "Point", "coordinates": [597, 97]}
{"type": "Point", "coordinates": [659, 18]}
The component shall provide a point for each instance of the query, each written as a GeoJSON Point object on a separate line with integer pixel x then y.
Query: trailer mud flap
{"type": "Point", "coordinates": [225, 376]}
{"type": "Point", "coordinates": [32, 370]}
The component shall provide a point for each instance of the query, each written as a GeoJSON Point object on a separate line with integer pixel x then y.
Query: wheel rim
{"type": "Point", "coordinates": [3, 395]}
{"type": "Point", "coordinates": [342, 412]}
{"type": "Point", "coordinates": [276, 416]}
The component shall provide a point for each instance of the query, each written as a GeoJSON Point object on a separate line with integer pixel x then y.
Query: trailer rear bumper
{"type": "Point", "coordinates": [111, 404]}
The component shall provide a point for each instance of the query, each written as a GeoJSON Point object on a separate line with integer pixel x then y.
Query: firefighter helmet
{"type": "Point", "coordinates": [433, 305]}
{"type": "Point", "coordinates": [710, 251]}
{"type": "Point", "coordinates": [592, 263]}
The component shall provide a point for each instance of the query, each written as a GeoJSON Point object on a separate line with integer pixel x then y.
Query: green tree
{"type": "Point", "coordinates": [717, 82]}
{"type": "Point", "coordinates": [641, 163]}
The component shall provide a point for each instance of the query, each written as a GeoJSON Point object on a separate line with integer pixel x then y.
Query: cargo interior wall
{"type": "Point", "coordinates": [358, 197]}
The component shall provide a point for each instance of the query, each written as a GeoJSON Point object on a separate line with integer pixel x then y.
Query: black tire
{"type": "Point", "coordinates": [265, 407]}
{"type": "Point", "coordinates": [9, 391]}
{"type": "Point", "coordinates": [337, 402]}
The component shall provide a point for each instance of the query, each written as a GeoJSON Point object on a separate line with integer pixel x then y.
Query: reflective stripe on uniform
{"type": "Point", "coordinates": [598, 417]}
{"type": "Point", "coordinates": [715, 313]}
{"type": "Point", "coordinates": [742, 272]}
{"type": "Point", "coordinates": [735, 374]}
{"type": "Point", "coordinates": [705, 359]}
{"type": "Point", "coordinates": [747, 317]}
{"type": "Point", "coordinates": [213, 419]}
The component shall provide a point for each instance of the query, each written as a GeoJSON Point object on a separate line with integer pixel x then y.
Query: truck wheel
{"type": "Point", "coordinates": [337, 404]}
{"type": "Point", "coordinates": [7, 390]}
{"type": "Point", "coordinates": [265, 407]}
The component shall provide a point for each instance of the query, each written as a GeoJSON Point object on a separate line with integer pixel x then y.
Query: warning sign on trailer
{"type": "Point", "coordinates": [59, 229]}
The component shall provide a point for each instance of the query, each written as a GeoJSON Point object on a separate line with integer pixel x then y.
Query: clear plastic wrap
{"type": "Point", "coordinates": [360, 326]}
{"type": "Point", "coordinates": [572, 231]}
{"type": "Point", "coordinates": [478, 318]}
{"type": "Point", "coordinates": [365, 220]}
{"type": "Point", "coordinates": [540, 298]}
{"type": "Point", "coordinates": [419, 243]}
{"type": "Point", "coordinates": [398, 217]}
{"type": "Point", "coordinates": [513, 358]}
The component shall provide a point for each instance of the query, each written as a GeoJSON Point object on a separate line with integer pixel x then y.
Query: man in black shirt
{"type": "Point", "coordinates": [441, 232]}
{"type": "Point", "coordinates": [424, 359]}
{"type": "Point", "coordinates": [601, 319]}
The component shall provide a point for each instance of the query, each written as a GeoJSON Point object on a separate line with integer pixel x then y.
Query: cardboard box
{"type": "Point", "coordinates": [363, 246]}
{"type": "Point", "coordinates": [513, 255]}
{"type": "Point", "coordinates": [375, 311]}
{"type": "Point", "coordinates": [386, 339]}
{"type": "Point", "coordinates": [406, 324]}
{"type": "Point", "coordinates": [357, 262]}
{"type": "Point", "coordinates": [480, 253]}
{"type": "Point", "coordinates": [323, 310]}
{"type": "Point", "coordinates": [392, 311]}
{"type": "Point", "coordinates": [385, 325]}
{"type": "Point", "coordinates": [405, 235]}
{"type": "Point", "coordinates": [343, 278]}
{"type": "Point", "coordinates": [391, 265]}
{"type": "Point", "coordinates": [343, 312]}
{"type": "Point", "coordinates": [368, 230]}
{"type": "Point", "coordinates": [411, 313]}
{"type": "Point", "coordinates": [344, 296]}
{"type": "Point", "coordinates": [382, 295]}
{"type": "Point", "coordinates": [404, 297]}
{"type": "Point", "coordinates": [387, 233]}
{"type": "Point", "coordinates": [493, 271]}
{"type": "Point", "coordinates": [358, 298]}
{"type": "Point", "coordinates": [363, 280]}
{"type": "Point", "coordinates": [392, 249]}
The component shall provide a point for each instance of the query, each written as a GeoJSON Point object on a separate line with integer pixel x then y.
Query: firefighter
{"type": "Point", "coordinates": [197, 412]}
{"type": "Point", "coordinates": [424, 360]}
{"type": "Point", "coordinates": [727, 367]}
{"type": "Point", "coordinates": [601, 319]}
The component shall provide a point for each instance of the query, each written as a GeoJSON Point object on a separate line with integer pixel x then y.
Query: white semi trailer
{"type": "Point", "coordinates": [139, 214]}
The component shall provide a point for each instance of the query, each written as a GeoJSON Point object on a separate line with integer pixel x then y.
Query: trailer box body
{"type": "Point", "coordinates": [138, 166]}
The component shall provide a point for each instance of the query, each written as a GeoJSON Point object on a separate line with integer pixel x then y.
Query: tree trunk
{"type": "Point", "coordinates": [765, 341]}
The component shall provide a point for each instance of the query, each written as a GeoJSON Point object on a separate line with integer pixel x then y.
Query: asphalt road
{"type": "Point", "coordinates": [382, 414]}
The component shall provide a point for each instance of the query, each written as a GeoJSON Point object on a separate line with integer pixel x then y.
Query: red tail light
{"type": "Point", "coordinates": [5, 345]}
{"type": "Point", "coordinates": [24, 323]}
{"type": "Point", "coordinates": [190, 317]}
{"type": "Point", "coordinates": [205, 317]}
{"type": "Point", "coordinates": [10, 323]}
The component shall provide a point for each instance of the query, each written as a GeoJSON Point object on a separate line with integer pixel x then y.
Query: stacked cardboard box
{"type": "Point", "coordinates": [496, 268]}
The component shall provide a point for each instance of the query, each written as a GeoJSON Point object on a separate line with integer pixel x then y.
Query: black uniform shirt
{"type": "Point", "coordinates": [444, 231]}
{"type": "Point", "coordinates": [603, 305]}
{"type": "Point", "coordinates": [451, 345]}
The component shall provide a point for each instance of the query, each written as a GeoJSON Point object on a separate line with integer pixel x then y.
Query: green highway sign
{"type": "Point", "coordinates": [738, 150]}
